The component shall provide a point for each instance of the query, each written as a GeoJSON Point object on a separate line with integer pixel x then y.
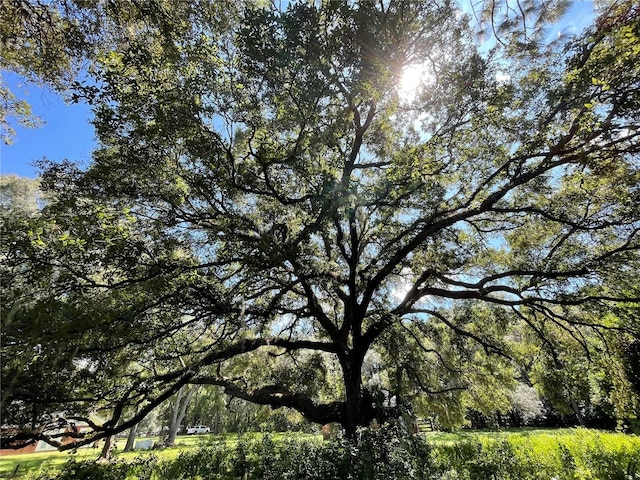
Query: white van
{"type": "Point", "coordinates": [198, 430]}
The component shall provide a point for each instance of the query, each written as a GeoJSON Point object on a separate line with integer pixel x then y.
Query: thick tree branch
{"type": "Point", "coordinates": [279, 396]}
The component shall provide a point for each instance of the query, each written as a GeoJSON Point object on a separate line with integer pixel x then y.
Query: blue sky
{"type": "Point", "coordinates": [68, 134]}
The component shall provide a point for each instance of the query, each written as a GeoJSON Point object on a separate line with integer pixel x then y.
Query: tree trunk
{"type": "Point", "coordinates": [106, 449]}
{"type": "Point", "coordinates": [179, 412]}
{"type": "Point", "coordinates": [173, 427]}
{"type": "Point", "coordinates": [358, 411]}
{"type": "Point", "coordinates": [576, 410]}
{"type": "Point", "coordinates": [352, 409]}
{"type": "Point", "coordinates": [131, 438]}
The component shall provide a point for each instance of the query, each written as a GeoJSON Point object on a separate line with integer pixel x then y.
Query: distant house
{"type": "Point", "coordinates": [65, 427]}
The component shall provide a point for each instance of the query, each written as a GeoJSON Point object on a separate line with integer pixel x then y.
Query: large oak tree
{"type": "Point", "coordinates": [273, 199]}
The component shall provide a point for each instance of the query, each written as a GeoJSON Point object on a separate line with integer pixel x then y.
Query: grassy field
{"type": "Point", "coordinates": [542, 434]}
{"type": "Point", "coordinates": [27, 466]}
{"type": "Point", "coordinates": [30, 465]}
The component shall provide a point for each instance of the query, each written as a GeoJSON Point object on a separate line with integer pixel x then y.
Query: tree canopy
{"type": "Point", "coordinates": [268, 210]}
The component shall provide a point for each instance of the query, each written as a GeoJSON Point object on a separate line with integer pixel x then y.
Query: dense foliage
{"type": "Point", "coordinates": [383, 455]}
{"type": "Point", "coordinates": [269, 211]}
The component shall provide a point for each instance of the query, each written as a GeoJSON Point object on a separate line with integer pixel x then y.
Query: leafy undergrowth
{"type": "Point", "coordinates": [30, 466]}
{"type": "Point", "coordinates": [383, 454]}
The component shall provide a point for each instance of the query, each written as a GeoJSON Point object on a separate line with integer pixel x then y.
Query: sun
{"type": "Point", "coordinates": [412, 79]}
{"type": "Point", "coordinates": [404, 284]}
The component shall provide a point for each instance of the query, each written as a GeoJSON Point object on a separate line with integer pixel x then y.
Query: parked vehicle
{"type": "Point", "coordinates": [198, 430]}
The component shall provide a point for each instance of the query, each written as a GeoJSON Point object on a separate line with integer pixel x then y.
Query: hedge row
{"type": "Point", "coordinates": [383, 454]}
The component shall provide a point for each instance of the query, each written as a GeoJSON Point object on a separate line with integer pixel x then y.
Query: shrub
{"type": "Point", "coordinates": [142, 468]}
{"type": "Point", "coordinates": [386, 454]}
{"type": "Point", "coordinates": [527, 404]}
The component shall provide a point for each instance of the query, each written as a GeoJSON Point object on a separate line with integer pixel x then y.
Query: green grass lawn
{"type": "Point", "coordinates": [30, 465]}
{"type": "Point", "coordinates": [26, 466]}
{"type": "Point", "coordinates": [452, 437]}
